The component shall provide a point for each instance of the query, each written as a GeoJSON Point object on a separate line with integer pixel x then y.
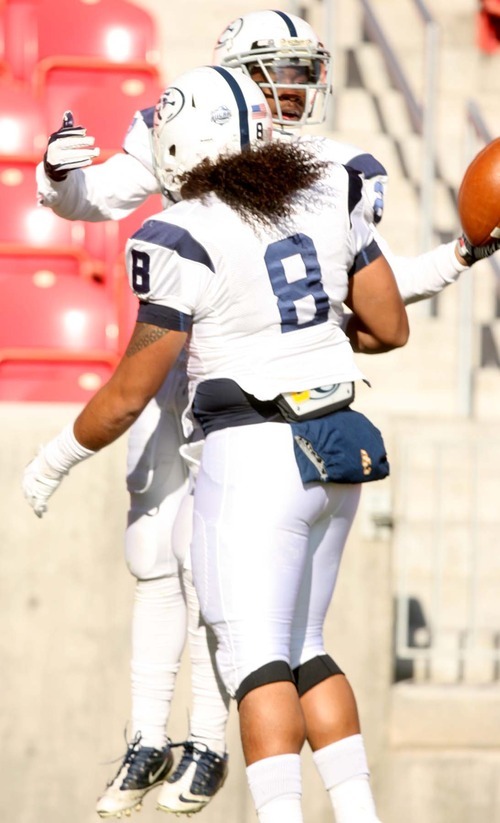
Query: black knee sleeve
{"type": "Point", "coordinates": [273, 672]}
{"type": "Point", "coordinates": [314, 671]}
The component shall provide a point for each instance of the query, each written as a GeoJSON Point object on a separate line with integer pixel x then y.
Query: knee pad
{"type": "Point", "coordinates": [314, 671]}
{"type": "Point", "coordinates": [274, 672]}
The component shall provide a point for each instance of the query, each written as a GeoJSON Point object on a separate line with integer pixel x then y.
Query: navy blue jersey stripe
{"type": "Point", "coordinates": [367, 164]}
{"type": "Point", "coordinates": [175, 238]}
{"type": "Point", "coordinates": [364, 257]}
{"type": "Point", "coordinates": [240, 102]}
{"type": "Point", "coordinates": [291, 27]}
{"type": "Point", "coordinates": [148, 116]}
{"type": "Point", "coordinates": [164, 316]}
{"type": "Point", "coordinates": [355, 188]}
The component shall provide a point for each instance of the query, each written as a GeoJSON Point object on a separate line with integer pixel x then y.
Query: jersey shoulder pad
{"type": "Point", "coordinates": [374, 177]}
{"type": "Point", "coordinates": [137, 140]}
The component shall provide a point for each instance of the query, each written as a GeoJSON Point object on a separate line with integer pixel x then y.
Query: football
{"type": "Point", "coordinates": [479, 196]}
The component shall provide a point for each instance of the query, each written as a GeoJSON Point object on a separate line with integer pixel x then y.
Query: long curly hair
{"type": "Point", "coordinates": [261, 184]}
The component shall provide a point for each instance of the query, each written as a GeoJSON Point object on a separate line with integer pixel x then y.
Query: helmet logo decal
{"type": "Point", "coordinates": [221, 115]}
{"type": "Point", "coordinates": [232, 30]}
{"type": "Point", "coordinates": [171, 103]}
{"type": "Point", "coordinates": [240, 102]}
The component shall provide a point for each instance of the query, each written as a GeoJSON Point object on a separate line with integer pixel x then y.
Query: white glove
{"type": "Point", "coordinates": [43, 476]}
{"type": "Point", "coordinates": [40, 482]}
{"type": "Point", "coordinates": [67, 149]}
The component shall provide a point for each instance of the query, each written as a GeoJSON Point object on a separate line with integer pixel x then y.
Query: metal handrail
{"type": "Point", "coordinates": [422, 114]}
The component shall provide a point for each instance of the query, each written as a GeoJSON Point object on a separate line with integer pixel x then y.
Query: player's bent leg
{"type": "Point", "coordinates": [158, 630]}
{"type": "Point", "coordinates": [210, 709]}
{"type": "Point", "coordinates": [333, 732]}
{"type": "Point", "coordinates": [272, 734]}
{"type": "Point", "coordinates": [156, 479]}
{"type": "Point", "coordinates": [142, 769]}
{"type": "Point", "coordinates": [203, 765]}
{"type": "Point", "coordinates": [158, 637]}
{"type": "Point", "coordinates": [157, 482]}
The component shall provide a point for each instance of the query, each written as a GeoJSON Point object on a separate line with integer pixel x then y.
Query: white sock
{"type": "Point", "coordinates": [276, 787]}
{"type": "Point", "coordinates": [344, 770]}
{"type": "Point", "coordinates": [158, 635]}
{"type": "Point", "coordinates": [352, 801]}
{"type": "Point", "coordinates": [210, 705]}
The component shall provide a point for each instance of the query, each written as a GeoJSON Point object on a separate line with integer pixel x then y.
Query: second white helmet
{"type": "Point", "coordinates": [284, 55]}
{"type": "Point", "coordinates": [205, 113]}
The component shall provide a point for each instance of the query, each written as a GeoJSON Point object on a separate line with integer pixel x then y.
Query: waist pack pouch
{"type": "Point", "coordinates": [342, 447]}
{"type": "Point", "coordinates": [312, 403]}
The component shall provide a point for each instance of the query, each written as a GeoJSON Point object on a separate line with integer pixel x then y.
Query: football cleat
{"type": "Point", "coordinates": [196, 780]}
{"type": "Point", "coordinates": [142, 768]}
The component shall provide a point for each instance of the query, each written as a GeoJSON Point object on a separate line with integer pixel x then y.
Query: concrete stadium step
{"type": "Point", "coordinates": [347, 24]}
{"type": "Point", "coordinates": [355, 108]}
{"type": "Point", "coordinates": [394, 113]}
{"type": "Point", "coordinates": [372, 68]}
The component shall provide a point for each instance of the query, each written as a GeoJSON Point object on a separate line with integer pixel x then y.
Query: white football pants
{"type": "Point", "coordinates": [266, 549]}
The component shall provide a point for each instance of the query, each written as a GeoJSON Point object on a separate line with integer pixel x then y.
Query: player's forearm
{"type": "Point", "coordinates": [107, 416]}
{"type": "Point", "coordinates": [364, 342]}
{"type": "Point", "coordinates": [108, 191]}
{"type": "Point", "coordinates": [421, 277]}
{"type": "Point", "coordinates": [68, 198]}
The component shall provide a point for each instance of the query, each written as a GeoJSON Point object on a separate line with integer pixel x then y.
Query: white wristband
{"type": "Point", "coordinates": [64, 451]}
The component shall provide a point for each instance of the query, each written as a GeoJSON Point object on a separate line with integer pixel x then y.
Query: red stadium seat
{"type": "Point", "coordinates": [102, 96]}
{"type": "Point", "coordinates": [20, 37]}
{"type": "Point", "coordinates": [4, 67]}
{"type": "Point", "coordinates": [58, 337]}
{"type": "Point", "coordinates": [22, 121]}
{"type": "Point", "coordinates": [111, 30]}
{"type": "Point", "coordinates": [27, 229]}
{"type": "Point", "coordinates": [51, 377]}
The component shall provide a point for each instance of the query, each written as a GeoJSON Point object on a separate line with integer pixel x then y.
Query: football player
{"type": "Point", "coordinates": [285, 56]}
{"type": "Point", "coordinates": [253, 279]}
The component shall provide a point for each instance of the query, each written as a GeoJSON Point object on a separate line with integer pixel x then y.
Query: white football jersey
{"type": "Point", "coordinates": [138, 143]}
{"type": "Point", "coordinates": [114, 189]}
{"type": "Point", "coordinates": [264, 307]}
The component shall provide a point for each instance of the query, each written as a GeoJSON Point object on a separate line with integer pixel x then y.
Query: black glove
{"type": "Point", "coordinates": [67, 149]}
{"type": "Point", "coordinates": [471, 254]}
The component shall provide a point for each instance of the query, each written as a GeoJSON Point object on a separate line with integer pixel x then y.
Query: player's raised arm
{"type": "Point", "coordinates": [74, 188]}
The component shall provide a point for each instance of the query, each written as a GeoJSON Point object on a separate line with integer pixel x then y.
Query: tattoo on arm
{"type": "Point", "coordinates": [144, 336]}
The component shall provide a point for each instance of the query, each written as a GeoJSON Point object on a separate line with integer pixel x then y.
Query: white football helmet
{"type": "Point", "coordinates": [284, 56]}
{"type": "Point", "coordinates": [206, 112]}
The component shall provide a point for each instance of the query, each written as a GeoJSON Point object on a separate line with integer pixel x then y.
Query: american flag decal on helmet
{"type": "Point", "coordinates": [258, 112]}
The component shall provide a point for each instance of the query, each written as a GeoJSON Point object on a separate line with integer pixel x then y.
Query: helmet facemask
{"type": "Point", "coordinates": [286, 70]}
{"type": "Point", "coordinates": [283, 55]}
